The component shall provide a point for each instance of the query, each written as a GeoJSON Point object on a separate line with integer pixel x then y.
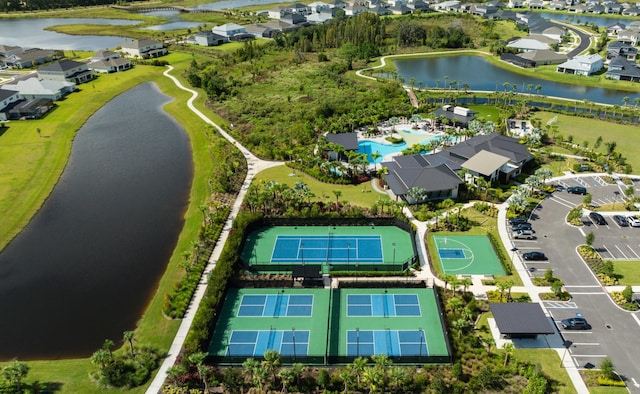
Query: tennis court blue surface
{"type": "Point", "coordinates": [451, 253]}
{"type": "Point", "coordinates": [338, 249]}
{"type": "Point", "coordinates": [389, 342]}
{"type": "Point", "coordinates": [385, 305]}
{"type": "Point", "coordinates": [256, 343]}
{"type": "Point", "coordinates": [276, 305]}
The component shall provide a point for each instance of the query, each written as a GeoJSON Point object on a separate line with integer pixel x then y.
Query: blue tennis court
{"type": "Point", "coordinates": [451, 254]}
{"type": "Point", "coordinates": [276, 305]}
{"type": "Point", "coordinates": [385, 305]}
{"type": "Point", "coordinates": [256, 343]}
{"type": "Point", "coordinates": [338, 249]}
{"type": "Point", "coordinates": [389, 342]}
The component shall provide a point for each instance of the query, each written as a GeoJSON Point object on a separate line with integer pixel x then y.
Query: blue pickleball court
{"type": "Point", "coordinates": [334, 249]}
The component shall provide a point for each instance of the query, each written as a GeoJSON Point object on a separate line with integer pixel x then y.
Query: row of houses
{"type": "Point", "coordinates": [574, 6]}
{"type": "Point", "coordinates": [32, 95]}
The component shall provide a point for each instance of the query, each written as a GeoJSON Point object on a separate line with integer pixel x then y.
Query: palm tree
{"type": "Point", "coordinates": [128, 336]}
{"type": "Point", "coordinates": [454, 304]}
{"type": "Point", "coordinates": [538, 89]}
{"type": "Point", "coordinates": [272, 361]}
{"type": "Point", "coordinates": [358, 366]}
{"type": "Point", "coordinates": [508, 349]}
{"type": "Point", "coordinates": [625, 100]}
{"type": "Point", "coordinates": [14, 373]}
{"type": "Point", "coordinates": [373, 378]}
{"type": "Point", "coordinates": [348, 377]}
{"type": "Point", "coordinates": [398, 377]}
{"type": "Point", "coordinates": [337, 193]}
{"type": "Point", "coordinates": [375, 156]}
{"type": "Point", "coordinates": [460, 325]}
{"type": "Point", "coordinates": [488, 342]}
{"type": "Point", "coordinates": [636, 101]}
{"type": "Point", "coordinates": [197, 359]}
{"type": "Point", "coordinates": [107, 345]}
{"type": "Point", "coordinates": [502, 286]}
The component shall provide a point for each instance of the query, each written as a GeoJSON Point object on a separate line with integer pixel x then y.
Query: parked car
{"type": "Point", "coordinates": [597, 218]}
{"type": "Point", "coordinates": [577, 190]}
{"type": "Point", "coordinates": [633, 221]}
{"type": "Point", "coordinates": [517, 220]}
{"type": "Point", "coordinates": [620, 220]}
{"type": "Point", "coordinates": [534, 256]}
{"type": "Point", "coordinates": [521, 226]}
{"type": "Point", "coordinates": [523, 234]}
{"type": "Point", "coordinates": [575, 323]}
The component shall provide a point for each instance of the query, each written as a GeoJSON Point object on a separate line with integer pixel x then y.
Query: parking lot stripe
{"type": "Point", "coordinates": [633, 251]}
{"type": "Point", "coordinates": [586, 344]}
{"type": "Point", "coordinates": [621, 252]}
{"type": "Point", "coordinates": [588, 355]}
{"type": "Point", "coordinates": [635, 317]}
{"type": "Point", "coordinates": [608, 251]}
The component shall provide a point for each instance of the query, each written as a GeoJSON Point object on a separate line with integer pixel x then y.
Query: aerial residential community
{"type": "Point", "coordinates": [383, 196]}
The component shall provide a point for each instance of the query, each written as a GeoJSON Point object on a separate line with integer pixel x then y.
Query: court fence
{"type": "Point", "coordinates": [255, 266]}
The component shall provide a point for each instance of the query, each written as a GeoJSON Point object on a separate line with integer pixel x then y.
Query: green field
{"type": "Point", "coordinates": [585, 129]}
{"type": "Point", "coordinates": [627, 272]}
{"type": "Point", "coordinates": [479, 257]}
{"type": "Point", "coordinates": [357, 195]}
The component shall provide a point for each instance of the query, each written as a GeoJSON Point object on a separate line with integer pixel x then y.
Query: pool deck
{"type": "Point", "coordinates": [402, 130]}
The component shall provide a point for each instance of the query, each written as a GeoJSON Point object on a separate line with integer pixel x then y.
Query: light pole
{"type": "Point", "coordinates": [421, 339]}
{"type": "Point", "coordinates": [513, 254]}
{"type": "Point", "coordinates": [357, 342]}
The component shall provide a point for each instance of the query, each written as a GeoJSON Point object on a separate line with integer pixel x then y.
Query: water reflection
{"type": "Point", "coordinates": [442, 71]}
{"type": "Point", "coordinates": [30, 33]}
{"type": "Point", "coordinates": [86, 266]}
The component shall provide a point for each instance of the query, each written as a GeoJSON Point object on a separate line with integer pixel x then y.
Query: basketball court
{"type": "Point", "coordinates": [467, 255]}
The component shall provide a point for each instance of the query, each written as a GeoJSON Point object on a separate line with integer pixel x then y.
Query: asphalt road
{"type": "Point", "coordinates": [614, 332]}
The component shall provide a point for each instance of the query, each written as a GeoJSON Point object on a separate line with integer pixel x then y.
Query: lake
{"type": "Point", "coordinates": [479, 74]}
{"type": "Point", "coordinates": [30, 33]}
{"type": "Point", "coordinates": [88, 263]}
{"type": "Point", "coordinates": [581, 19]}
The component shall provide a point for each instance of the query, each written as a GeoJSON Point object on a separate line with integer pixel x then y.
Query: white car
{"type": "Point", "coordinates": [633, 221]}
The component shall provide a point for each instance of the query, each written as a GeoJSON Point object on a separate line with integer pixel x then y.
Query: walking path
{"type": "Point", "coordinates": [255, 165]}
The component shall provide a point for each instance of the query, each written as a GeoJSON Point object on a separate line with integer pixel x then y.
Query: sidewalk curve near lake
{"type": "Point", "coordinates": [254, 165]}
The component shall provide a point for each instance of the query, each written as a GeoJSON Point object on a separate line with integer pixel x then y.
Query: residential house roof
{"type": "Point", "coordinates": [39, 87]}
{"type": "Point", "coordinates": [496, 143]}
{"type": "Point", "coordinates": [581, 62]}
{"type": "Point", "coordinates": [139, 43]}
{"type": "Point", "coordinates": [544, 55]}
{"type": "Point", "coordinates": [349, 141]}
{"type": "Point", "coordinates": [407, 172]}
{"type": "Point", "coordinates": [8, 48]}
{"type": "Point", "coordinates": [485, 162]}
{"type": "Point", "coordinates": [521, 318]}
{"type": "Point", "coordinates": [623, 67]}
{"type": "Point", "coordinates": [6, 93]}
{"type": "Point", "coordinates": [528, 43]}
{"type": "Point", "coordinates": [61, 66]}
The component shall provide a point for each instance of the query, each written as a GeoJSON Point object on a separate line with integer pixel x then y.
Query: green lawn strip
{"type": "Point", "coordinates": [153, 328]}
{"type": "Point", "coordinates": [627, 272]}
{"type": "Point", "coordinates": [608, 390]}
{"type": "Point", "coordinates": [549, 362]}
{"type": "Point", "coordinates": [585, 129]}
{"type": "Point", "coordinates": [31, 165]}
{"type": "Point", "coordinates": [358, 195]}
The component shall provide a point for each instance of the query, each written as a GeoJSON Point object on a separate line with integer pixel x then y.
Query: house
{"type": "Point", "coordinates": [555, 33]}
{"type": "Point", "coordinates": [294, 19]}
{"type": "Point", "coordinates": [619, 48]}
{"type": "Point", "coordinates": [421, 5]}
{"type": "Point", "coordinates": [66, 70]}
{"type": "Point", "coordinates": [577, 8]}
{"type": "Point", "coordinates": [30, 58]}
{"type": "Point", "coordinates": [320, 17]}
{"type": "Point", "coordinates": [345, 142]}
{"type": "Point", "coordinates": [112, 65]}
{"type": "Point", "coordinates": [259, 30]}
{"type": "Point", "coordinates": [278, 12]}
{"type": "Point", "coordinates": [143, 48]}
{"type": "Point", "coordinates": [544, 57]}
{"type": "Point", "coordinates": [596, 9]}
{"type": "Point", "coordinates": [9, 50]}
{"type": "Point", "coordinates": [531, 43]}
{"type": "Point", "coordinates": [400, 9]}
{"type": "Point", "coordinates": [515, 4]}
{"type": "Point", "coordinates": [517, 60]}
{"type": "Point", "coordinates": [457, 115]}
{"type": "Point", "coordinates": [104, 55]}
{"type": "Point", "coordinates": [622, 69]}
{"type": "Point", "coordinates": [35, 88]}
{"type": "Point", "coordinates": [493, 156]}
{"type": "Point", "coordinates": [446, 6]}
{"type": "Point", "coordinates": [582, 65]}
{"type": "Point", "coordinates": [434, 179]}
{"type": "Point", "coordinates": [7, 97]}
{"type": "Point", "coordinates": [355, 9]}
{"type": "Point", "coordinates": [557, 5]}
{"type": "Point", "coordinates": [299, 8]}
{"type": "Point", "coordinates": [338, 4]}
{"type": "Point", "coordinates": [631, 11]}
{"type": "Point", "coordinates": [629, 36]}
{"type": "Point", "coordinates": [29, 109]}
{"type": "Point", "coordinates": [208, 39]}
{"type": "Point", "coordinates": [536, 4]}
{"type": "Point", "coordinates": [319, 6]}
{"type": "Point", "coordinates": [613, 30]}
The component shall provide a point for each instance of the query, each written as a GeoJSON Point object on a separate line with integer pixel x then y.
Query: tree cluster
{"type": "Point", "coordinates": [38, 5]}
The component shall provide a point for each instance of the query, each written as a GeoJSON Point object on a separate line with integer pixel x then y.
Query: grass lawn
{"type": "Point", "coordinates": [37, 161]}
{"type": "Point", "coordinates": [627, 272]}
{"type": "Point", "coordinates": [549, 362]}
{"type": "Point", "coordinates": [486, 112]}
{"type": "Point", "coordinates": [608, 390]}
{"type": "Point", "coordinates": [358, 195]}
{"type": "Point", "coordinates": [560, 165]}
{"type": "Point", "coordinates": [584, 129]}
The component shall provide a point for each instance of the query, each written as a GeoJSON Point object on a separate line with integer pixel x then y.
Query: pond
{"type": "Point", "coordinates": [220, 5]}
{"type": "Point", "coordinates": [88, 263]}
{"type": "Point", "coordinates": [177, 25]}
{"type": "Point", "coordinates": [30, 33]}
{"type": "Point", "coordinates": [435, 72]}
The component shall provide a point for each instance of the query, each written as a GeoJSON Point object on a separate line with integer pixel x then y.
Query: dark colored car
{"type": "Point", "coordinates": [577, 190]}
{"type": "Point", "coordinates": [597, 218]}
{"type": "Point", "coordinates": [620, 220]}
{"type": "Point", "coordinates": [575, 323]}
{"type": "Point", "coordinates": [521, 226]}
{"type": "Point", "coordinates": [534, 256]}
{"type": "Point", "coordinates": [518, 220]}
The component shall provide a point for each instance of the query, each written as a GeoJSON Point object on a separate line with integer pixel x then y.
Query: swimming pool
{"type": "Point", "coordinates": [369, 147]}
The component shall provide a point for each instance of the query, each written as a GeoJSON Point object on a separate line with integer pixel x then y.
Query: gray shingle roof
{"type": "Point", "coordinates": [348, 141]}
{"type": "Point", "coordinates": [61, 66]}
{"type": "Point", "coordinates": [521, 318]}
